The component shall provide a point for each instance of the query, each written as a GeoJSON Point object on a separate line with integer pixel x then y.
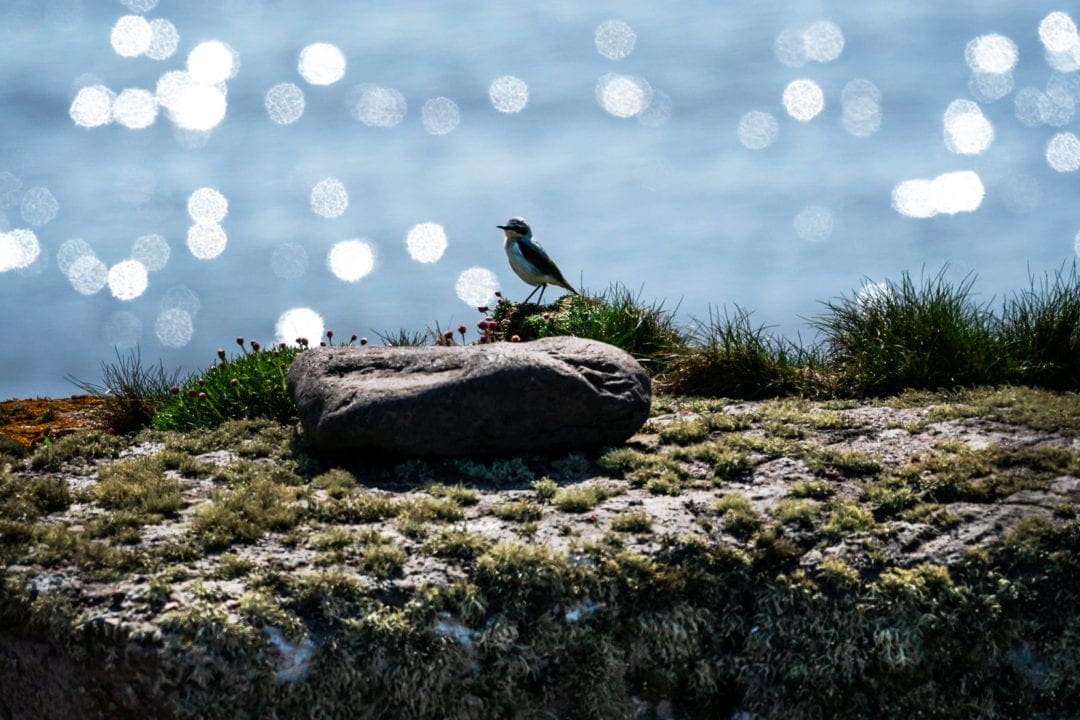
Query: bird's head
{"type": "Point", "coordinates": [515, 227]}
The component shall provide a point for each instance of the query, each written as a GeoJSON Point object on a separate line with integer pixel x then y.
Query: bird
{"type": "Point", "coordinates": [529, 260]}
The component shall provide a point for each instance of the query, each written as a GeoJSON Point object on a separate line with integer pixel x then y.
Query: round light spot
{"type": "Point", "coordinates": [122, 329]}
{"type": "Point", "coordinates": [967, 131]}
{"type": "Point", "coordinates": [378, 106]}
{"type": "Point", "coordinates": [758, 130]}
{"type": "Point", "coordinates": [299, 323]}
{"type": "Point", "coordinates": [476, 286]}
{"type": "Point", "coordinates": [426, 242]}
{"type": "Point", "coordinates": [915, 198]}
{"type": "Point", "coordinates": [164, 39]}
{"type": "Point", "coordinates": [135, 108]}
{"type": "Point", "coordinates": [88, 275]}
{"type": "Point", "coordinates": [206, 242]}
{"type": "Point", "coordinates": [860, 102]}
{"type": "Point", "coordinates": [659, 110]}
{"type": "Point", "coordinates": [960, 191]}
{"type": "Point", "coordinates": [173, 328]}
{"type": "Point", "coordinates": [991, 54]}
{"type": "Point", "coordinates": [623, 95]}
{"type": "Point", "coordinates": [152, 251]}
{"type": "Point", "coordinates": [803, 99]}
{"type": "Point", "coordinates": [321, 64]}
{"type": "Point", "coordinates": [1021, 194]}
{"type": "Point", "coordinates": [284, 103]}
{"type": "Point", "coordinates": [169, 87]}
{"type": "Point", "coordinates": [181, 297]}
{"type": "Point", "coordinates": [92, 106]}
{"type": "Point", "coordinates": [39, 206]}
{"type": "Point", "coordinates": [614, 39]}
{"type": "Point", "coordinates": [1058, 105]}
{"type": "Point", "coordinates": [813, 223]}
{"type": "Point", "coordinates": [18, 249]}
{"type": "Point", "coordinates": [440, 115]}
{"type": "Point", "coordinates": [988, 87]}
{"type": "Point", "coordinates": [790, 47]}
{"type": "Point", "coordinates": [212, 62]}
{"type": "Point", "coordinates": [1063, 152]}
{"type": "Point", "coordinates": [207, 206]}
{"type": "Point", "coordinates": [508, 94]}
{"type": "Point", "coordinates": [1029, 104]}
{"type": "Point", "coordinates": [289, 260]}
{"type": "Point", "coordinates": [127, 280]}
{"type": "Point", "coordinates": [131, 36]}
{"type": "Point", "coordinates": [140, 6]}
{"type": "Point", "coordinates": [11, 188]}
{"type": "Point", "coordinates": [351, 260]}
{"type": "Point", "coordinates": [823, 41]}
{"type": "Point", "coordinates": [197, 107]}
{"type": "Point", "coordinates": [1057, 31]}
{"type": "Point", "coordinates": [1064, 62]}
{"type": "Point", "coordinates": [329, 198]}
{"type": "Point", "coordinates": [70, 251]}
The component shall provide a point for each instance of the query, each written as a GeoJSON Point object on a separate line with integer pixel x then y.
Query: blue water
{"type": "Point", "coordinates": [679, 209]}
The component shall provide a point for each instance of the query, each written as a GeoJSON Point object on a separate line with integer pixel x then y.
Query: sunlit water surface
{"type": "Point", "coordinates": [175, 174]}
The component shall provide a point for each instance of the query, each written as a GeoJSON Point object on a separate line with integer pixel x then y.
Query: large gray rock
{"type": "Point", "coordinates": [551, 394]}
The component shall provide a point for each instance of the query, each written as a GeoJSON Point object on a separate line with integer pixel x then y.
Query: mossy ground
{"type": "Point", "coordinates": [912, 557]}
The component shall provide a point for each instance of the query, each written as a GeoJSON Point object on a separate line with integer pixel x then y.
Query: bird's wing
{"type": "Point", "coordinates": [535, 255]}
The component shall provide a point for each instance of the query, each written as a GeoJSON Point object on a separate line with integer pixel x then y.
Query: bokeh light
{"type": "Point", "coordinates": [181, 297]}
{"type": "Point", "coordinates": [440, 115]}
{"type": "Point", "coordinates": [988, 87]}
{"type": "Point", "coordinates": [508, 94]}
{"type": "Point", "coordinates": [329, 198]}
{"type": "Point", "coordinates": [614, 39]}
{"type": "Point", "coordinates": [803, 99]}
{"type": "Point", "coordinates": [87, 274]}
{"type": "Point", "coordinates": [1057, 31]}
{"type": "Point", "coordinates": [206, 241]}
{"type": "Point", "coordinates": [131, 36]}
{"type": "Point", "coordinates": [967, 131]}
{"type": "Point", "coordinates": [127, 279]}
{"type": "Point", "coordinates": [789, 48]}
{"type": "Point", "coordinates": [659, 110]}
{"type": "Point", "coordinates": [377, 106]}
{"type": "Point", "coordinates": [993, 53]}
{"type": "Point", "coordinates": [70, 251]}
{"type": "Point", "coordinates": [207, 206]}
{"type": "Point", "coordinates": [39, 206]}
{"type": "Point", "coordinates": [1063, 152]}
{"type": "Point", "coordinates": [623, 95]}
{"type": "Point", "coordinates": [351, 260]}
{"type": "Point", "coordinates": [949, 193]}
{"type": "Point", "coordinates": [164, 39]}
{"type": "Point", "coordinates": [860, 103]}
{"type": "Point", "coordinates": [11, 188]}
{"type": "Point", "coordinates": [476, 286]}
{"type": "Point", "coordinates": [284, 103]}
{"type": "Point", "coordinates": [18, 249]}
{"type": "Point", "coordinates": [298, 323]}
{"type": "Point", "coordinates": [135, 108]}
{"type": "Point", "coordinates": [140, 6]}
{"type": "Point", "coordinates": [289, 260]}
{"type": "Point", "coordinates": [198, 107]}
{"type": "Point", "coordinates": [152, 251]}
{"type": "Point", "coordinates": [758, 129]}
{"type": "Point", "coordinates": [122, 330]}
{"type": "Point", "coordinates": [823, 41]}
{"type": "Point", "coordinates": [212, 62]}
{"type": "Point", "coordinates": [92, 106]}
{"type": "Point", "coordinates": [173, 328]}
{"type": "Point", "coordinates": [813, 223]}
{"type": "Point", "coordinates": [426, 242]}
{"type": "Point", "coordinates": [321, 64]}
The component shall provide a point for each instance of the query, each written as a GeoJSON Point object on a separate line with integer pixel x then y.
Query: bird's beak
{"type": "Point", "coordinates": [501, 227]}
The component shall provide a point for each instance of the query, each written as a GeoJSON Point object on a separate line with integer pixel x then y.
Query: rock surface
{"type": "Point", "coordinates": [552, 394]}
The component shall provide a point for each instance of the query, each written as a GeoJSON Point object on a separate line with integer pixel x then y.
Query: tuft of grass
{"type": "Point", "coordinates": [459, 544]}
{"type": "Point", "coordinates": [816, 489]}
{"type": "Point", "coordinates": [632, 521]}
{"type": "Point", "coordinates": [518, 511]}
{"type": "Point", "coordinates": [457, 494]}
{"type": "Point", "coordinates": [801, 513]}
{"type": "Point", "coordinates": [132, 393]}
{"type": "Point", "coordinates": [27, 499]}
{"type": "Point", "coordinates": [244, 512]}
{"type": "Point", "coordinates": [1040, 331]}
{"type": "Point", "coordinates": [847, 517]}
{"type": "Point", "coordinates": [579, 499]}
{"type": "Point", "coordinates": [84, 447]}
{"type": "Point", "coordinates": [729, 357]}
{"type": "Point", "coordinates": [925, 335]}
{"type": "Point", "coordinates": [545, 488]}
{"type": "Point", "coordinates": [737, 515]}
{"type": "Point", "coordinates": [139, 485]}
{"type": "Point", "coordinates": [248, 386]}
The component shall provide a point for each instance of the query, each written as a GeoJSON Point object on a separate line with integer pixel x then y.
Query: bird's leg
{"type": "Point", "coordinates": [526, 300]}
{"type": "Point", "coordinates": [540, 300]}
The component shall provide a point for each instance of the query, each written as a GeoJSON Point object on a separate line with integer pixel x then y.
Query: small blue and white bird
{"type": "Point", "coordinates": [529, 260]}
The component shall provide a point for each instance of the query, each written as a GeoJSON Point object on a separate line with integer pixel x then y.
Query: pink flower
{"type": "Point", "coordinates": [329, 334]}
{"type": "Point", "coordinates": [192, 392]}
{"type": "Point", "coordinates": [255, 345]}
{"type": "Point", "coordinates": [202, 396]}
{"type": "Point", "coordinates": [363, 341]}
{"type": "Point", "coordinates": [483, 308]}
{"type": "Point", "coordinates": [240, 341]}
{"type": "Point", "coordinates": [515, 338]}
{"type": "Point", "coordinates": [234, 382]}
{"type": "Point", "coordinates": [174, 390]}
{"type": "Point", "coordinates": [221, 353]}
{"type": "Point", "coordinates": [461, 329]}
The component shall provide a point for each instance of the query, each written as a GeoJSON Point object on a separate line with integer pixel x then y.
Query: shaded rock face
{"type": "Point", "coordinates": [552, 394]}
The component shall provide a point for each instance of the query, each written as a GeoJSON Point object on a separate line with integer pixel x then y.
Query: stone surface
{"type": "Point", "coordinates": [548, 395]}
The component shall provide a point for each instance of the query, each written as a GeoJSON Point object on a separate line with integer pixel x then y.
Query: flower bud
{"type": "Point", "coordinates": [515, 338]}
{"type": "Point", "coordinates": [234, 382]}
{"type": "Point", "coordinates": [221, 353]}
{"type": "Point", "coordinates": [240, 341]}
{"type": "Point", "coordinates": [255, 345]}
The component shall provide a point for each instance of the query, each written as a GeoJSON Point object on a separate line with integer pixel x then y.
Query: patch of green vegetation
{"type": "Point", "coordinates": [847, 517]}
{"type": "Point", "coordinates": [737, 515]}
{"type": "Point", "coordinates": [139, 485]}
{"type": "Point", "coordinates": [545, 488]}
{"type": "Point", "coordinates": [365, 506]}
{"type": "Point", "coordinates": [891, 499]}
{"type": "Point", "coordinates": [246, 511]}
{"type": "Point", "coordinates": [518, 511]}
{"type": "Point", "coordinates": [579, 499]}
{"type": "Point", "coordinates": [382, 559]}
{"type": "Point", "coordinates": [848, 463]}
{"type": "Point", "coordinates": [816, 489]}
{"type": "Point", "coordinates": [684, 432]}
{"type": "Point", "coordinates": [800, 513]}
{"type": "Point", "coordinates": [336, 482]}
{"type": "Point", "coordinates": [572, 467]}
{"type": "Point", "coordinates": [130, 393]}
{"type": "Point", "coordinates": [1021, 406]}
{"type": "Point", "coordinates": [458, 544]}
{"type": "Point", "coordinates": [26, 499]}
{"type": "Point", "coordinates": [415, 514]}
{"type": "Point", "coordinates": [729, 458]}
{"type": "Point", "coordinates": [503, 472]}
{"type": "Point", "coordinates": [666, 482]}
{"type": "Point", "coordinates": [458, 494]}
{"type": "Point", "coordinates": [185, 464]}
{"type": "Point", "coordinates": [632, 521]}
{"type": "Point", "coordinates": [83, 447]}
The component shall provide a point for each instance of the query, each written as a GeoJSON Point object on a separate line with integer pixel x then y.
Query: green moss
{"type": "Point", "coordinates": [382, 560]}
{"type": "Point", "coordinates": [28, 498]}
{"type": "Point", "coordinates": [664, 483]}
{"type": "Point", "coordinates": [737, 515]}
{"type": "Point", "coordinates": [816, 489]}
{"type": "Point", "coordinates": [684, 432]}
{"type": "Point", "coordinates": [337, 483]}
{"type": "Point", "coordinates": [364, 506]}
{"type": "Point", "coordinates": [458, 544]}
{"type": "Point", "coordinates": [77, 448]}
{"type": "Point", "coordinates": [457, 494]}
{"type": "Point", "coordinates": [847, 517]}
{"type": "Point", "coordinates": [245, 512]}
{"type": "Point", "coordinates": [800, 513]}
{"type": "Point", "coordinates": [632, 521]}
{"type": "Point", "coordinates": [849, 463]}
{"type": "Point", "coordinates": [139, 485]}
{"type": "Point", "coordinates": [517, 511]}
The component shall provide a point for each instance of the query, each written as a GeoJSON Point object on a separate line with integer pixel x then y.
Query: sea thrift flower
{"type": "Point", "coordinates": [363, 341]}
{"type": "Point", "coordinates": [234, 382]}
{"type": "Point", "coordinates": [515, 338]}
{"type": "Point", "coordinates": [498, 294]}
{"type": "Point", "coordinates": [192, 392]}
{"type": "Point", "coordinates": [483, 308]}
{"type": "Point", "coordinates": [202, 396]}
{"type": "Point", "coordinates": [329, 334]}
{"type": "Point", "coordinates": [353, 338]}
{"type": "Point", "coordinates": [111, 431]}
{"type": "Point", "coordinates": [174, 390]}
{"type": "Point", "coordinates": [202, 381]}
{"type": "Point", "coordinates": [240, 341]}
{"type": "Point", "coordinates": [255, 345]}
{"type": "Point", "coordinates": [221, 353]}
{"type": "Point", "coordinates": [448, 334]}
